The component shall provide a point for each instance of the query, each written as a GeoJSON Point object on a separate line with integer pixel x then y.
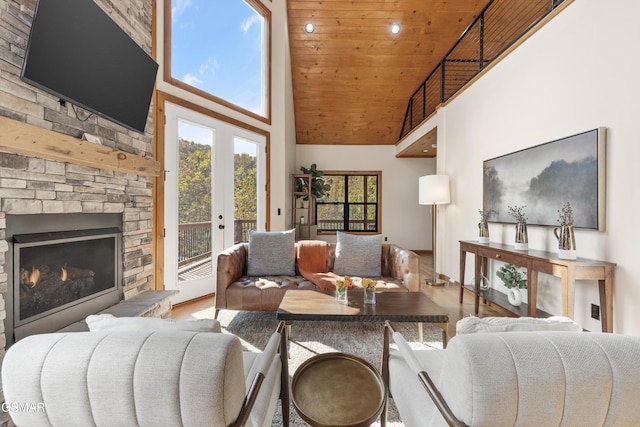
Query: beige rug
{"type": "Point", "coordinates": [363, 339]}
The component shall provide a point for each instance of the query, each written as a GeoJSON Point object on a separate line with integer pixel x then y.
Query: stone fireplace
{"type": "Point", "coordinates": [44, 201]}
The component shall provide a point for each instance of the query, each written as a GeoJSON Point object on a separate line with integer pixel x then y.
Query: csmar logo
{"type": "Point", "coordinates": [23, 407]}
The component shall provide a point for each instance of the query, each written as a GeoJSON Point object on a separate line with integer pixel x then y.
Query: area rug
{"type": "Point", "coordinates": [309, 338]}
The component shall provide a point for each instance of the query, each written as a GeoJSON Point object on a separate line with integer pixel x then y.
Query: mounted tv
{"type": "Point", "coordinates": [79, 54]}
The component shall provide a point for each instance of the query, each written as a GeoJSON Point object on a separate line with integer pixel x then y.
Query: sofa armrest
{"type": "Point", "coordinates": [232, 265]}
{"type": "Point", "coordinates": [401, 264]}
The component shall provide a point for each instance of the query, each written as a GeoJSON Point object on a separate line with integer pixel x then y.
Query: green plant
{"type": "Point", "coordinates": [319, 187]}
{"type": "Point", "coordinates": [512, 277]}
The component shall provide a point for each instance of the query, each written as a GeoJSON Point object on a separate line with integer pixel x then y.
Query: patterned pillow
{"type": "Point", "coordinates": [358, 255]}
{"type": "Point", "coordinates": [272, 253]}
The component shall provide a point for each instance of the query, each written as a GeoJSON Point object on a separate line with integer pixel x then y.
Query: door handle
{"type": "Point", "coordinates": [221, 226]}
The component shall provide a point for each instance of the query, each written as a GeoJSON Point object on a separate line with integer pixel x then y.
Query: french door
{"type": "Point", "coordinates": [214, 194]}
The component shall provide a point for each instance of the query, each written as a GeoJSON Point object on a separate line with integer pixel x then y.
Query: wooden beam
{"type": "Point", "coordinates": [23, 138]}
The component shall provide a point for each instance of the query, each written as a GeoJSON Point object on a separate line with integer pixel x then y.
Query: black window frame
{"type": "Point", "coordinates": [347, 222]}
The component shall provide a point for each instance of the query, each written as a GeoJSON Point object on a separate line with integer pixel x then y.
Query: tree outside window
{"type": "Point", "coordinates": [353, 204]}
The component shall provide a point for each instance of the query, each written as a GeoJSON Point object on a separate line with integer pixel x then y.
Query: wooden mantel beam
{"type": "Point", "coordinates": [23, 138]}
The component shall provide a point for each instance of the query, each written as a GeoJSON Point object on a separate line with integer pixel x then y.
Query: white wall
{"type": "Point", "coordinates": [577, 73]}
{"type": "Point", "coordinates": [404, 222]}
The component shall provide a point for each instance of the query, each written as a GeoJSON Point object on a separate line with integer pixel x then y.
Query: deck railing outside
{"type": "Point", "coordinates": [194, 239]}
{"type": "Point", "coordinates": [497, 27]}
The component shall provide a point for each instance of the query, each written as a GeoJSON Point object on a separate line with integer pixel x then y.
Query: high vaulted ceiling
{"type": "Point", "coordinates": [352, 78]}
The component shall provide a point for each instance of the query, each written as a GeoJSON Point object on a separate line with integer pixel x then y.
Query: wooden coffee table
{"type": "Point", "coordinates": [392, 306]}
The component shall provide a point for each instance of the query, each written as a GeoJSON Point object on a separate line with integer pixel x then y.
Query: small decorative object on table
{"type": "Point", "coordinates": [514, 280]}
{"type": "Point", "coordinates": [342, 285]}
{"type": "Point", "coordinates": [522, 239]}
{"type": "Point", "coordinates": [566, 238]}
{"type": "Point", "coordinates": [369, 286]}
{"type": "Point", "coordinates": [485, 215]}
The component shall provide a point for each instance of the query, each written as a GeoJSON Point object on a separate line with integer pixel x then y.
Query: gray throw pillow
{"type": "Point", "coordinates": [272, 253]}
{"type": "Point", "coordinates": [358, 255]}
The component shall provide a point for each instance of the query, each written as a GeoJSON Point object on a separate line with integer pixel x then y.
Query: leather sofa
{"type": "Point", "coordinates": [532, 378]}
{"type": "Point", "coordinates": [144, 377]}
{"type": "Point", "coordinates": [237, 291]}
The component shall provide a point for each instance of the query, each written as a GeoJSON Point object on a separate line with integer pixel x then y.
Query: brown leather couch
{"type": "Point", "coordinates": [237, 291]}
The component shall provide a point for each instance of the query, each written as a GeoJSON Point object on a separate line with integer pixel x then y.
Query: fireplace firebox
{"type": "Point", "coordinates": [59, 277]}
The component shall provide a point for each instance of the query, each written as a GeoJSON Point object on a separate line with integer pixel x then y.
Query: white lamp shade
{"type": "Point", "coordinates": [433, 189]}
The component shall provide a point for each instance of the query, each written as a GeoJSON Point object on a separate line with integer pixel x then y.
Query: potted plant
{"type": "Point", "coordinates": [319, 187]}
{"type": "Point", "coordinates": [514, 280]}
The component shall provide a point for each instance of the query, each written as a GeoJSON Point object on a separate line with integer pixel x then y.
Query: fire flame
{"type": "Point", "coordinates": [34, 276]}
{"type": "Point", "coordinates": [63, 274]}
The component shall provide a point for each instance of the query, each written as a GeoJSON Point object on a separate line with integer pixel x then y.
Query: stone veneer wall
{"type": "Point", "coordinates": [30, 185]}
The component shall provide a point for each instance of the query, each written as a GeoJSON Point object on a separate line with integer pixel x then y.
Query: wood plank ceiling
{"type": "Point", "coordinates": [352, 78]}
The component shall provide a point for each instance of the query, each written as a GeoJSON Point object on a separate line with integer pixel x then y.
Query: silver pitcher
{"type": "Point", "coordinates": [484, 232]}
{"type": "Point", "coordinates": [566, 238]}
{"type": "Point", "coordinates": [522, 239]}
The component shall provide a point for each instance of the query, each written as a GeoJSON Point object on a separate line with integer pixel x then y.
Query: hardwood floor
{"type": "Point", "coordinates": [446, 296]}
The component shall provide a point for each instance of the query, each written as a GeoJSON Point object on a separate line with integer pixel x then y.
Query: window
{"type": "Point", "coordinates": [353, 203]}
{"type": "Point", "coordinates": [219, 49]}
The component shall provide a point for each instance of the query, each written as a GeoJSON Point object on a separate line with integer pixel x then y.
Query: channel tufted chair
{"type": "Point", "coordinates": [536, 378]}
{"type": "Point", "coordinates": [144, 378]}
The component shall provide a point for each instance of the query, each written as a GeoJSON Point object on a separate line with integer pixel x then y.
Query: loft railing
{"type": "Point", "coordinates": [497, 27]}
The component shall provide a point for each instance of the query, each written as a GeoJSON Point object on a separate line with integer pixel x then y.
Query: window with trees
{"type": "Point", "coordinates": [353, 203]}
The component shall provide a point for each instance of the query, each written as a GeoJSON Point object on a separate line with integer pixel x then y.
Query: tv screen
{"type": "Point", "coordinates": [78, 53]}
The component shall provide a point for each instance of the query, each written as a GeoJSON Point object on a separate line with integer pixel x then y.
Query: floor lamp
{"type": "Point", "coordinates": [433, 190]}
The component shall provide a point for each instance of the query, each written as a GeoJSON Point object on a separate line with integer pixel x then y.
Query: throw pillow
{"type": "Point", "coordinates": [358, 255]}
{"type": "Point", "coordinates": [272, 253]}
{"type": "Point", "coordinates": [470, 325]}
{"type": "Point", "coordinates": [108, 322]}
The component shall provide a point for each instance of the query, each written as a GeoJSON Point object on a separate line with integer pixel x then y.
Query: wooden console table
{"type": "Point", "coordinates": [544, 262]}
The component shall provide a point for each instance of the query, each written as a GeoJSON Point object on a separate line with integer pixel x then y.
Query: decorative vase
{"type": "Point", "coordinates": [484, 283]}
{"type": "Point", "coordinates": [566, 241]}
{"type": "Point", "coordinates": [514, 296]}
{"type": "Point", "coordinates": [369, 295]}
{"type": "Point", "coordinates": [522, 240]}
{"type": "Point", "coordinates": [483, 231]}
{"type": "Point", "coordinates": [341, 295]}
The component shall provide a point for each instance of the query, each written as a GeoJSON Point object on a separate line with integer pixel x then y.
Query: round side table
{"type": "Point", "coordinates": [337, 389]}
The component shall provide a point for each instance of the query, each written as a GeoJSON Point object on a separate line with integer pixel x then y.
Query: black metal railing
{"type": "Point", "coordinates": [500, 24]}
{"type": "Point", "coordinates": [241, 229]}
{"type": "Point", "coordinates": [194, 239]}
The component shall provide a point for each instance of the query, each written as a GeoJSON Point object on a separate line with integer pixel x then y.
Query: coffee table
{"type": "Point", "coordinates": [393, 306]}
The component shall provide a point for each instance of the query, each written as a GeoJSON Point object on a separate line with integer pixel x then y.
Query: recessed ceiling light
{"type": "Point", "coordinates": [308, 27]}
{"type": "Point", "coordinates": [434, 145]}
{"type": "Point", "coordinates": [395, 28]}
{"type": "Point", "coordinates": [425, 151]}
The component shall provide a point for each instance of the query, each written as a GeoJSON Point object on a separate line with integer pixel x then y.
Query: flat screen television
{"type": "Point", "coordinates": [79, 54]}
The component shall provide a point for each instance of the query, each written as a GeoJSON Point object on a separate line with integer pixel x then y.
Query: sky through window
{"type": "Point", "coordinates": [217, 46]}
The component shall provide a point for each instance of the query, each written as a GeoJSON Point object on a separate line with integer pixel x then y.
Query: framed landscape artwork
{"type": "Point", "coordinates": [547, 176]}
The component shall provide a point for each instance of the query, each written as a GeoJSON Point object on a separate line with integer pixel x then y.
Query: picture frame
{"type": "Point", "coordinates": [545, 177]}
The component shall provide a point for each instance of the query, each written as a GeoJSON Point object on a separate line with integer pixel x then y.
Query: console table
{"type": "Point", "coordinates": [544, 262]}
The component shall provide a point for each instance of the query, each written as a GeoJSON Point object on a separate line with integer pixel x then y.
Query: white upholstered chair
{"type": "Point", "coordinates": [145, 378]}
{"type": "Point", "coordinates": [534, 378]}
